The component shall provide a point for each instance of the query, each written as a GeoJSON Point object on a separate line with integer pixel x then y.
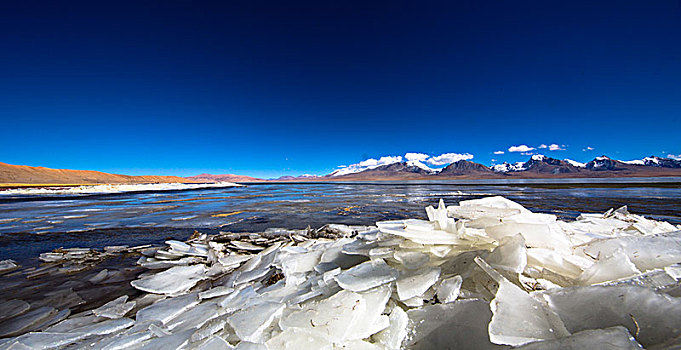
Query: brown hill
{"type": "Point", "coordinates": [223, 177]}
{"type": "Point", "coordinates": [389, 171]}
{"type": "Point", "coordinates": [22, 174]}
{"type": "Point", "coordinates": [465, 167]}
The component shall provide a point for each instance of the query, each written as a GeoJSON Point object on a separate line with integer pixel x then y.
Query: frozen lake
{"type": "Point", "coordinates": [30, 225]}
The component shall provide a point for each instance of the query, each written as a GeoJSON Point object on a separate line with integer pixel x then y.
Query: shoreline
{"type": "Point", "coordinates": [628, 181]}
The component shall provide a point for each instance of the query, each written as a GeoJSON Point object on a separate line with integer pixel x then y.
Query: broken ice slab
{"type": "Point", "coordinates": [13, 307]}
{"type": "Point", "coordinates": [8, 265]}
{"type": "Point", "coordinates": [334, 253]}
{"type": "Point", "coordinates": [609, 268]}
{"type": "Point", "coordinates": [372, 320]}
{"type": "Point", "coordinates": [209, 328]}
{"type": "Point", "coordinates": [333, 317]}
{"type": "Point", "coordinates": [659, 280]}
{"type": "Point", "coordinates": [549, 236]}
{"type": "Point", "coordinates": [215, 292]}
{"type": "Point", "coordinates": [510, 255]}
{"type": "Point", "coordinates": [152, 263]}
{"type": "Point", "coordinates": [164, 310]}
{"type": "Point", "coordinates": [439, 218]}
{"type": "Point", "coordinates": [251, 275]}
{"type": "Point", "coordinates": [299, 338]}
{"type": "Point", "coordinates": [449, 289]}
{"type": "Point", "coordinates": [26, 322]}
{"type": "Point", "coordinates": [194, 317]}
{"type": "Point", "coordinates": [238, 299]}
{"type": "Point", "coordinates": [215, 343]}
{"type": "Point", "coordinates": [250, 323]}
{"type": "Point", "coordinates": [359, 247]}
{"type": "Point", "coordinates": [414, 283]}
{"type": "Point", "coordinates": [613, 338]}
{"type": "Point", "coordinates": [245, 345]}
{"type": "Point", "coordinates": [243, 245]}
{"type": "Point", "coordinates": [646, 252]}
{"type": "Point", "coordinates": [50, 340]}
{"type": "Point", "coordinates": [172, 341]}
{"type": "Point", "coordinates": [381, 252]}
{"type": "Point", "coordinates": [175, 280]}
{"type": "Point", "coordinates": [391, 338]}
{"type": "Point", "coordinates": [116, 308]}
{"type": "Point", "coordinates": [450, 326]}
{"type": "Point", "coordinates": [517, 318]}
{"type": "Point", "coordinates": [652, 318]}
{"type": "Point", "coordinates": [343, 230]}
{"type": "Point", "coordinates": [366, 275]}
{"type": "Point", "coordinates": [562, 263]}
{"type": "Point", "coordinates": [123, 341]}
{"type": "Point", "coordinates": [180, 247]}
{"type": "Point", "coordinates": [299, 263]}
{"type": "Point", "coordinates": [410, 259]}
{"type": "Point", "coordinates": [74, 322]}
{"type": "Point", "coordinates": [100, 276]}
{"type": "Point", "coordinates": [58, 317]}
{"type": "Point", "coordinates": [488, 206]}
{"type": "Point", "coordinates": [234, 260]}
{"type": "Point", "coordinates": [419, 231]}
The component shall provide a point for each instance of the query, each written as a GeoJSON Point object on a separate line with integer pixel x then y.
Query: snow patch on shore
{"type": "Point", "coordinates": [114, 188]}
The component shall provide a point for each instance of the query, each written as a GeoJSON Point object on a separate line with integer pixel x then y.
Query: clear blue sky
{"type": "Point", "coordinates": [267, 88]}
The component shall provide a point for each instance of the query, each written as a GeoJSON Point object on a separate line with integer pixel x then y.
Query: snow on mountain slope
{"type": "Point", "coordinates": [575, 163]}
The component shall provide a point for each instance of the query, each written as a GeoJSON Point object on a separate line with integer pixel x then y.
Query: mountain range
{"type": "Point", "coordinates": [538, 166]}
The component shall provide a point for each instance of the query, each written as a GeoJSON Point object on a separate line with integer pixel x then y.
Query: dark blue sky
{"type": "Point", "coordinates": [271, 88]}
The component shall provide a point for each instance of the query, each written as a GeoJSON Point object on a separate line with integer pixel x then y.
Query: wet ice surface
{"type": "Point", "coordinates": [29, 226]}
{"type": "Point", "coordinates": [486, 273]}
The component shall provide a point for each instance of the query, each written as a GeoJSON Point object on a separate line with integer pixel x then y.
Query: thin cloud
{"type": "Point", "coordinates": [498, 152]}
{"type": "Point", "coordinates": [521, 148]}
{"type": "Point", "coordinates": [556, 147]}
{"type": "Point", "coordinates": [543, 146]}
{"type": "Point", "coordinates": [675, 157]}
{"type": "Point", "coordinates": [588, 148]}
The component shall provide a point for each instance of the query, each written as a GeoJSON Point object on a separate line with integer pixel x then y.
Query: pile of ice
{"type": "Point", "coordinates": [113, 188]}
{"type": "Point", "coordinates": [487, 273]}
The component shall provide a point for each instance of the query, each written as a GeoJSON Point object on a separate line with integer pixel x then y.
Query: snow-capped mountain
{"type": "Point", "coordinates": [365, 165]}
{"type": "Point", "coordinates": [390, 170]}
{"type": "Point", "coordinates": [538, 163]}
{"type": "Point", "coordinates": [419, 164]}
{"type": "Point", "coordinates": [603, 163]}
{"type": "Point", "coordinates": [656, 161]}
{"type": "Point", "coordinates": [508, 167]}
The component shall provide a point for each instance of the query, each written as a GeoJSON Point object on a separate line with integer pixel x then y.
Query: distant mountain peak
{"type": "Point", "coordinates": [465, 167]}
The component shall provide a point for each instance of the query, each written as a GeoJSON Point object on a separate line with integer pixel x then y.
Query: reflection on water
{"type": "Point", "coordinates": [29, 225]}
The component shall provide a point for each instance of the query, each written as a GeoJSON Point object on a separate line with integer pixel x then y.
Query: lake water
{"type": "Point", "coordinates": [31, 225]}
